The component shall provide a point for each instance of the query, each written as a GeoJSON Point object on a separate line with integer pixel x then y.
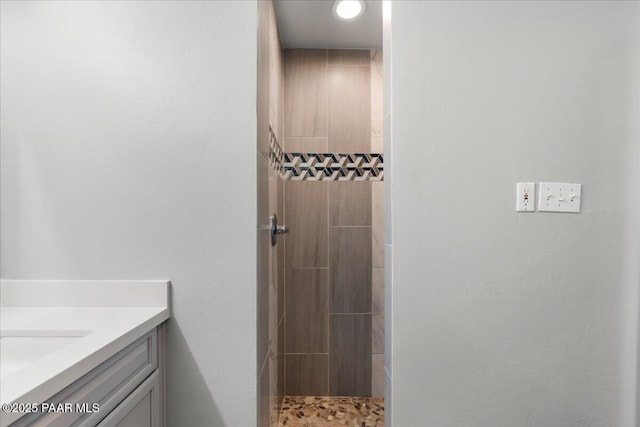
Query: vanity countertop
{"type": "Point", "coordinates": [54, 332]}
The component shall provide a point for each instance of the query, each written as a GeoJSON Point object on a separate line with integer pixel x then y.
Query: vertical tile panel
{"type": "Point", "coordinates": [376, 98]}
{"type": "Point", "coordinates": [377, 375]}
{"type": "Point", "coordinates": [272, 177]}
{"type": "Point", "coordinates": [377, 103]}
{"type": "Point", "coordinates": [306, 374]}
{"type": "Point", "coordinates": [305, 102]}
{"type": "Point", "coordinates": [349, 109]}
{"type": "Point", "coordinates": [348, 57]}
{"type": "Point", "coordinates": [377, 333]}
{"type": "Point", "coordinates": [264, 246]}
{"type": "Point", "coordinates": [377, 144]}
{"type": "Point", "coordinates": [275, 110]}
{"type": "Point", "coordinates": [281, 92]}
{"type": "Point", "coordinates": [306, 207]}
{"type": "Point", "coordinates": [350, 270]}
{"type": "Point", "coordinates": [306, 144]}
{"type": "Point", "coordinates": [377, 291]}
{"type": "Point", "coordinates": [273, 271]}
{"type": "Point", "coordinates": [388, 400]}
{"type": "Point", "coordinates": [263, 78]}
{"type": "Point", "coordinates": [377, 228]}
{"type": "Point", "coordinates": [377, 223]}
{"type": "Point", "coordinates": [273, 301]}
{"type": "Point", "coordinates": [280, 356]}
{"type": "Point", "coordinates": [350, 203]}
{"type": "Point", "coordinates": [307, 310]}
{"type": "Point", "coordinates": [263, 190]}
{"type": "Point", "coordinates": [272, 365]}
{"type": "Point", "coordinates": [388, 307]}
{"type": "Point", "coordinates": [263, 398]}
{"type": "Point", "coordinates": [280, 250]}
{"type": "Point", "coordinates": [388, 176]}
{"type": "Point", "coordinates": [350, 355]}
{"type": "Point", "coordinates": [275, 71]}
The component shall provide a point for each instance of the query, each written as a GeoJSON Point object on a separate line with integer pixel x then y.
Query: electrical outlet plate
{"type": "Point", "coordinates": [525, 196]}
{"type": "Point", "coordinates": [559, 197]}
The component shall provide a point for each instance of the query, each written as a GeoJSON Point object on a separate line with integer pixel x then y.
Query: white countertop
{"type": "Point", "coordinates": [103, 316]}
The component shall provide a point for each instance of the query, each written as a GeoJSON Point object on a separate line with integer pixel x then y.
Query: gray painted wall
{"type": "Point", "coordinates": [499, 318]}
{"type": "Point", "coordinates": [128, 152]}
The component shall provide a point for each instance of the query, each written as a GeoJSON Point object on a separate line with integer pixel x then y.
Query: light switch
{"type": "Point", "coordinates": [559, 197]}
{"type": "Point", "coordinates": [525, 196]}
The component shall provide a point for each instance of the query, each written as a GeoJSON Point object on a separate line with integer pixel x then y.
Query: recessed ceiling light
{"type": "Point", "coordinates": [346, 10]}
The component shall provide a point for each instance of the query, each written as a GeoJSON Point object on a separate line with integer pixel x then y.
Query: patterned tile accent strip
{"type": "Point", "coordinates": [315, 411]}
{"type": "Point", "coordinates": [333, 167]}
{"type": "Point", "coordinates": [325, 166]}
{"type": "Point", "coordinates": [276, 155]}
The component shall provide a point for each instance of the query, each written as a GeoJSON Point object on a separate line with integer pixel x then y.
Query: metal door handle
{"type": "Point", "coordinates": [276, 229]}
{"type": "Point", "coordinates": [282, 230]}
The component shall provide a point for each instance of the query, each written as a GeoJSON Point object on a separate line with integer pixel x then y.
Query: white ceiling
{"type": "Point", "coordinates": [311, 24]}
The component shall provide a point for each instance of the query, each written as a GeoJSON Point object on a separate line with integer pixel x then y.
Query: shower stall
{"type": "Point", "coordinates": [333, 206]}
{"type": "Point", "coordinates": [321, 286]}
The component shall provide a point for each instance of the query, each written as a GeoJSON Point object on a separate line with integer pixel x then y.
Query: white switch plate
{"type": "Point", "coordinates": [525, 196]}
{"type": "Point", "coordinates": [559, 197]}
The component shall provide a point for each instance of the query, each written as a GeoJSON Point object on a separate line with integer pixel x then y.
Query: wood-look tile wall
{"type": "Point", "coordinates": [270, 187]}
{"type": "Point", "coordinates": [333, 252]}
{"type": "Point", "coordinates": [263, 252]}
{"type": "Point", "coordinates": [377, 233]}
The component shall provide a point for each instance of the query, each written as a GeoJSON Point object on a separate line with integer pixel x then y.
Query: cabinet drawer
{"type": "Point", "coordinates": [142, 408]}
{"type": "Point", "coordinates": [108, 385]}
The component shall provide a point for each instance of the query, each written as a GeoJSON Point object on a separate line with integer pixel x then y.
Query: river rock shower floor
{"type": "Point", "coordinates": [332, 411]}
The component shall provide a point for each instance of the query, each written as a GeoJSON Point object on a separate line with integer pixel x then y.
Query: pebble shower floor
{"type": "Point", "coordinates": [322, 411]}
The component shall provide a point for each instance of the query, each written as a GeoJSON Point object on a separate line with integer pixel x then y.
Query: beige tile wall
{"type": "Point", "coordinates": [377, 231]}
{"type": "Point", "coordinates": [334, 254]}
{"type": "Point", "coordinates": [305, 93]}
{"type": "Point", "coordinates": [263, 246]}
{"type": "Point", "coordinates": [270, 282]}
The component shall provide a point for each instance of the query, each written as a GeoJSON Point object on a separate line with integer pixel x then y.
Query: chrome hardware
{"type": "Point", "coordinates": [276, 229]}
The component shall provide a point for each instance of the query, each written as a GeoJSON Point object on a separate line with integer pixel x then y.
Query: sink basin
{"type": "Point", "coordinates": [20, 348]}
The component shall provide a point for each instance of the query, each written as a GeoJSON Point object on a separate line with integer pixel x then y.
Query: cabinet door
{"type": "Point", "coordinates": [107, 385]}
{"type": "Point", "coordinates": [141, 409]}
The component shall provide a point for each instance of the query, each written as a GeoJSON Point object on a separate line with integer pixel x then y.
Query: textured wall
{"type": "Point", "coordinates": [334, 254]}
{"type": "Point", "coordinates": [124, 126]}
{"type": "Point", "coordinates": [499, 318]}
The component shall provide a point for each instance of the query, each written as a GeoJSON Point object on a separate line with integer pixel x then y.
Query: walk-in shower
{"type": "Point", "coordinates": [321, 286]}
{"type": "Point", "coordinates": [334, 259]}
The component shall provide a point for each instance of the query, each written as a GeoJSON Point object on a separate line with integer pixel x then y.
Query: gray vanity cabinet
{"type": "Point", "coordinates": [142, 408]}
{"type": "Point", "coordinates": [128, 387]}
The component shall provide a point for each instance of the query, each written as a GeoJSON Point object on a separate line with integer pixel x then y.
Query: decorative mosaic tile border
{"type": "Point", "coordinates": [325, 166]}
{"type": "Point", "coordinates": [276, 155]}
{"type": "Point", "coordinates": [333, 167]}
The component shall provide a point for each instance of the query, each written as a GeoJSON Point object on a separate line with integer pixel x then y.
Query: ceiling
{"type": "Point", "coordinates": [311, 24]}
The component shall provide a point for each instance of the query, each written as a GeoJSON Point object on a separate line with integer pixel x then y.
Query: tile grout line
{"type": "Point", "coordinates": [326, 79]}
{"type": "Point", "coordinates": [350, 226]}
{"type": "Point", "coordinates": [284, 242]}
{"type": "Point", "coordinates": [371, 98]}
{"type": "Point", "coordinates": [304, 354]}
{"type": "Point", "coordinates": [302, 137]}
{"type": "Point", "coordinates": [284, 262]}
